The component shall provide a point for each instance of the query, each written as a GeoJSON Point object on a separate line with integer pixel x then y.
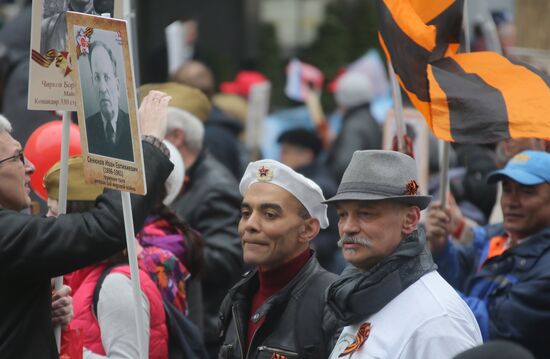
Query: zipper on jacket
{"type": "Point", "coordinates": [288, 353]}
{"type": "Point", "coordinates": [252, 341]}
{"type": "Point", "coordinates": [226, 351]}
{"type": "Point", "coordinates": [238, 324]}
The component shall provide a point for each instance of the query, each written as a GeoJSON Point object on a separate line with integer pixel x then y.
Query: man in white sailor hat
{"type": "Point", "coordinates": [276, 310]}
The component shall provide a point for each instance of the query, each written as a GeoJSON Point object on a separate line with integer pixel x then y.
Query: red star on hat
{"type": "Point", "coordinates": [263, 171]}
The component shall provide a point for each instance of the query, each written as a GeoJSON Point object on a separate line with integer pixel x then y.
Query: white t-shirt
{"type": "Point", "coordinates": [427, 320]}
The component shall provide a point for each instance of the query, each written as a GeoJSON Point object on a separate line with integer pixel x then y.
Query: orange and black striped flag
{"type": "Point", "coordinates": [479, 97]}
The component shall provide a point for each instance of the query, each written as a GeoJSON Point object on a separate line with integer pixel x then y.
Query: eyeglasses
{"type": "Point", "coordinates": [19, 156]}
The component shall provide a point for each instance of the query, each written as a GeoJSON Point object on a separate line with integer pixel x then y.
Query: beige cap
{"type": "Point", "coordinates": [184, 97]}
{"type": "Point", "coordinates": [77, 189]}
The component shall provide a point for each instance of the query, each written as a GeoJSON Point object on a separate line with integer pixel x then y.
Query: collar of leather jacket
{"type": "Point", "coordinates": [244, 290]}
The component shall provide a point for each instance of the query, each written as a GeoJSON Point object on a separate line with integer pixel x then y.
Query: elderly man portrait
{"type": "Point", "coordinates": [504, 273]}
{"type": "Point", "coordinates": [108, 130]}
{"type": "Point", "coordinates": [277, 309]}
{"type": "Point", "coordinates": [391, 299]}
{"type": "Point", "coordinates": [34, 249]}
{"type": "Point", "coordinates": [54, 27]}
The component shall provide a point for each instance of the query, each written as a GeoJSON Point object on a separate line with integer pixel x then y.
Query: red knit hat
{"type": "Point", "coordinates": [243, 82]}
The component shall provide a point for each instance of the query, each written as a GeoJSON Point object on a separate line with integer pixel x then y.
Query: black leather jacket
{"type": "Point", "coordinates": [211, 204]}
{"type": "Point", "coordinates": [297, 323]}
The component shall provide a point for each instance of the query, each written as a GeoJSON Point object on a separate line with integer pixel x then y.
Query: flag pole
{"type": "Point", "coordinates": [62, 200]}
{"type": "Point", "coordinates": [129, 14]}
{"type": "Point", "coordinates": [466, 25]}
{"type": "Point", "coordinates": [398, 108]}
{"type": "Point", "coordinates": [313, 104]}
{"type": "Point", "coordinates": [444, 159]}
{"type": "Point", "coordinates": [134, 272]}
{"type": "Point", "coordinates": [444, 171]}
{"type": "Point", "coordinates": [142, 341]}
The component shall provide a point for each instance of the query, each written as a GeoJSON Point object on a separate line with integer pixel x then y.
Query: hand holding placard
{"type": "Point", "coordinates": [153, 114]}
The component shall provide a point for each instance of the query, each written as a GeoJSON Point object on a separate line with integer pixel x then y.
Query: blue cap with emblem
{"type": "Point", "coordinates": [528, 168]}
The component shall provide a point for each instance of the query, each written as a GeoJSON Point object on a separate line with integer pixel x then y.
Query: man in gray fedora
{"type": "Point", "coordinates": [391, 299]}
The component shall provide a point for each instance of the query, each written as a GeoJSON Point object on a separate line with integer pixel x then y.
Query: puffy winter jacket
{"type": "Point", "coordinates": [85, 319]}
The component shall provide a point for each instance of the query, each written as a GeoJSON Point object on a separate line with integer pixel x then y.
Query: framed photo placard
{"type": "Point", "coordinates": [50, 84]}
{"type": "Point", "coordinates": [106, 102]}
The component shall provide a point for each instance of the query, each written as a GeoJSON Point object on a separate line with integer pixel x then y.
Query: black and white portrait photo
{"type": "Point", "coordinates": [105, 98]}
{"type": "Point", "coordinates": [106, 102]}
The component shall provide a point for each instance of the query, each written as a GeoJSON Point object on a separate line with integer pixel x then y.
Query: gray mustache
{"type": "Point", "coordinates": [354, 240]}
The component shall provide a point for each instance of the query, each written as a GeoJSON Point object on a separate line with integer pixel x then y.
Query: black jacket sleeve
{"type": "Point", "coordinates": [32, 246]}
{"type": "Point", "coordinates": [223, 251]}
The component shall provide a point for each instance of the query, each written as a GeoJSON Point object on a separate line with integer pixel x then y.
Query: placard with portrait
{"type": "Point", "coordinates": [106, 102]}
{"type": "Point", "coordinates": [50, 84]}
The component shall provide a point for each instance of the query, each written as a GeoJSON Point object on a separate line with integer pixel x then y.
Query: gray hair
{"type": "Point", "coordinates": [98, 43]}
{"type": "Point", "coordinates": [5, 125]}
{"type": "Point", "coordinates": [190, 124]}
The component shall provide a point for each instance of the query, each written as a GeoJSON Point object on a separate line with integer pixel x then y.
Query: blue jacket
{"type": "Point", "coordinates": [508, 293]}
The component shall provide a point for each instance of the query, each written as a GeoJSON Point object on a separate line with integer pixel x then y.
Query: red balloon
{"type": "Point", "coordinates": [43, 149]}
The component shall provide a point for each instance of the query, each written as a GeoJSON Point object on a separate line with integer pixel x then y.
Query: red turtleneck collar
{"type": "Point", "coordinates": [271, 282]}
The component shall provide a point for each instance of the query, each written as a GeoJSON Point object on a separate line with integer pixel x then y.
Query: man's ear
{"type": "Point", "coordinates": [176, 137]}
{"type": "Point", "coordinates": [310, 155]}
{"type": "Point", "coordinates": [410, 220]}
{"type": "Point", "coordinates": [309, 230]}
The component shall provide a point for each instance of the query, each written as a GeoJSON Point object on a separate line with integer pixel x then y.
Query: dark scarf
{"type": "Point", "coordinates": [357, 295]}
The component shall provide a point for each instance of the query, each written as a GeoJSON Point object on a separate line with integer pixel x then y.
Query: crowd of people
{"type": "Point", "coordinates": [328, 250]}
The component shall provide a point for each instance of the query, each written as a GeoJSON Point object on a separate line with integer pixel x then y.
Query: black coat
{"type": "Point", "coordinates": [97, 139]}
{"type": "Point", "coordinates": [34, 249]}
{"type": "Point", "coordinates": [221, 138]}
{"type": "Point", "coordinates": [360, 131]}
{"type": "Point", "coordinates": [326, 242]}
{"type": "Point", "coordinates": [294, 326]}
{"type": "Point", "coordinates": [211, 204]}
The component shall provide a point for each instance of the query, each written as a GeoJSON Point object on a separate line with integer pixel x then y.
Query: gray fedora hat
{"type": "Point", "coordinates": [376, 174]}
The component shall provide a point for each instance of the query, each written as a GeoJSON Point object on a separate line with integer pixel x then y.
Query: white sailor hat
{"type": "Point", "coordinates": [304, 189]}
